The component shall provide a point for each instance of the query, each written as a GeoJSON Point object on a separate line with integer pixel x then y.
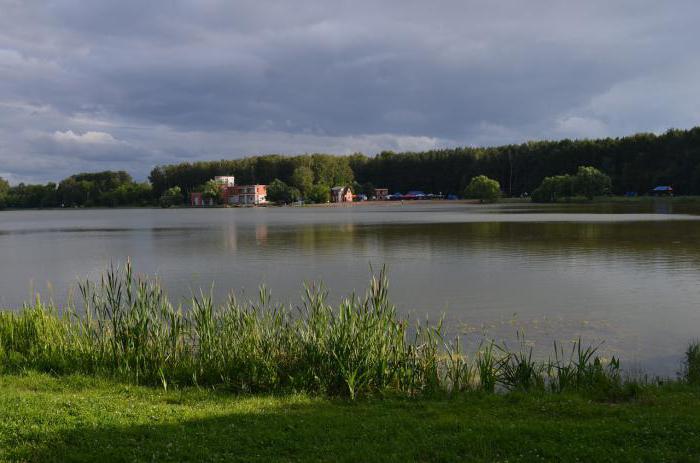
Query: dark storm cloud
{"type": "Point", "coordinates": [131, 84]}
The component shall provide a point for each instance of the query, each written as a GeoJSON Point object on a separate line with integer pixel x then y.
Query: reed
{"type": "Point", "coordinates": [125, 327]}
{"type": "Point", "coordinates": [691, 364]}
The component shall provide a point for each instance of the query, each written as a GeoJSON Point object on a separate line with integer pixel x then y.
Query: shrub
{"type": "Point", "coordinates": [171, 197]}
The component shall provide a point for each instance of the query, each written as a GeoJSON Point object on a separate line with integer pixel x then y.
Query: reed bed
{"type": "Point", "coordinates": [125, 327]}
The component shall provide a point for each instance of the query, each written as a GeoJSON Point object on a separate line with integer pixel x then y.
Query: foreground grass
{"type": "Point", "coordinates": [78, 418]}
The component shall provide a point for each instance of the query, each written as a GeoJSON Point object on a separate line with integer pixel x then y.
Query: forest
{"type": "Point", "coordinates": [634, 163]}
{"type": "Point", "coordinates": [100, 189]}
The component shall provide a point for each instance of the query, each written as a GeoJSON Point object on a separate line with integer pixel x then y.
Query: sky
{"type": "Point", "coordinates": [131, 84]}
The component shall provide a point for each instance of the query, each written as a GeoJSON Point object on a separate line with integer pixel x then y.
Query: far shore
{"type": "Point", "coordinates": [476, 202]}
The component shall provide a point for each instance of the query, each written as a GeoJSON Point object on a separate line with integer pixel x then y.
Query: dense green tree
{"type": "Point", "coordinates": [303, 179]}
{"type": "Point", "coordinates": [588, 182]}
{"type": "Point", "coordinates": [279, 192]}
{"type": "Point", "coordinates": [108, 188]}
{"type": "Point", "coordinates": [128, 194]}
{"type": "Point", "coordinates": [367, 189]}
{"type": "Point", "coordinates": [28, 196]}
{"type": "Point", "coordinates": [554, 188]}
{"type": "Point", "coordinates": [4, 186]}
{"type": "Point", "coordinates": [319, 194]}
{"type": "Point", "coordinates": [4, 189]}
{"type": "Point", "coordinates": [483, 188]}
{"type": "Point", "coordinates": [73, 192]}
{"type": "Point", "coordinates": [87, 189]}
{"type": "Point", "coordinates": [330, 170]}
{"type": "Point", "coordinates": [212, 190]}
{"type": "Point", "coordinates": [591, 182]}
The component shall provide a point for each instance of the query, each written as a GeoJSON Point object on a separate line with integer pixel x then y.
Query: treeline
{"type": "Point", "coordinates": [634, 164]}
{"type": "Point", "coordinates": [325, 169]}
{"type": "Point", "coordinates": [106, 189]}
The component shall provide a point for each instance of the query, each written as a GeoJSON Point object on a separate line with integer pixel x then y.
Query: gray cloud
{"type": "Point", "coordinates": [131, 84]}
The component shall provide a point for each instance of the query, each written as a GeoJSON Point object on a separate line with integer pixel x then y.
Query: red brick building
{"type": "Point", "coordinates": [245, 195]}
{"type": "Point", "coordinates": [231, 194]}
{"type": "Point", "coordinates": [197, 199]}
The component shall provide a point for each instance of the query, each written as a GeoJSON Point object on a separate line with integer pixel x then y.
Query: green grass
{"type": "Point", "coordinates": [78, 418]}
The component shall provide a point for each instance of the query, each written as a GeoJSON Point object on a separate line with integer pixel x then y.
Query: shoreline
{"type": "Point", "coordinates": [431, 202]}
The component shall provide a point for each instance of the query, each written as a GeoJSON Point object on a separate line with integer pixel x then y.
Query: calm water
{"type": "Point", "coordinates": [626, 274]}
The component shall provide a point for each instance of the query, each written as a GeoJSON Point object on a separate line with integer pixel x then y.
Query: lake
{"type": "Point", "coordinates": [627, 274]}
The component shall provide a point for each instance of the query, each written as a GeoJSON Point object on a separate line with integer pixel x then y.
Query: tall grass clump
{"type": "Point", "coordinates": [691, 364]}
{"type": "Point", "coordinates": [125, 327]}
{"type": "Point", "coordinates": [519, 371]}
{"type": "Point", "coordinates": [583, 370]}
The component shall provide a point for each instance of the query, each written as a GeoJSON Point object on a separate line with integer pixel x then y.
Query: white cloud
{"type": "Point", "coordinates": [89, 137]}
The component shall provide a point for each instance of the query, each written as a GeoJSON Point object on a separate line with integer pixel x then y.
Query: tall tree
{"type": "Point", "coordinates": [4, 186]}
{"type": "Point", "coordinates": [303, 179]}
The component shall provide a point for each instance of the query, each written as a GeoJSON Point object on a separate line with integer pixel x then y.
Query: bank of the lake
{"type": "Point", "coordinates": [76, 418]}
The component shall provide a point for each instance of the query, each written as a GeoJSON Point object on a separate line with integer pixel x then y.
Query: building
{"type": "Point", "coordinates": [241, 195]}
{"type": "Point", "coordinates": [225, 180]}
{"type": "Point", "coordinates": [197, 199]}
{"type": "Point", "coordinates": [381, 194]}
{"type": "Point", "coordinates": [341, 194]}
{"type": "Point", "coordinates": [232, 194]}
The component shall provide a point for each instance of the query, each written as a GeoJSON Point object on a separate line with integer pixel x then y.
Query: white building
{"type": "Point", "coordinates": [224, 180]}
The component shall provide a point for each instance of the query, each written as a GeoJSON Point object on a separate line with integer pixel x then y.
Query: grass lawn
{"type": "Point", "coordinates": [76, 418]}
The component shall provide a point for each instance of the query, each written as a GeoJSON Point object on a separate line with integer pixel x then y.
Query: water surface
{"type": "Point", "coordinates": [626, 274]}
